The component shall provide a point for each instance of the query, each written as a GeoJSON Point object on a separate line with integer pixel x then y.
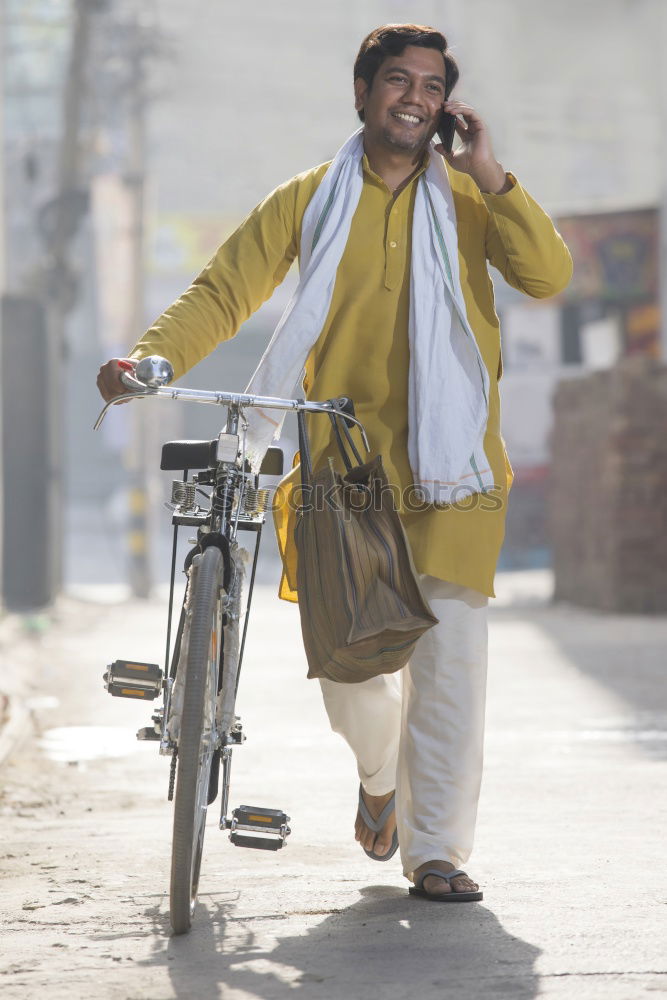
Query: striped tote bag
{"type": "Point", "coordinates": [361, 606]}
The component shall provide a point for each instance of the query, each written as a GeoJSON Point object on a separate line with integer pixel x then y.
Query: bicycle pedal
{"type": "Point", "coordinates": [148, 733]}
{"type": "Point", "coordinates": [133, 679]}
{"type": "Point", "coordinates": [254, 820]}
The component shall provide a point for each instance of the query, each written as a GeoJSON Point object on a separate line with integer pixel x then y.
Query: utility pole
{"type": "Point", "coordinates": [35, 341]}
{"type": "Point", "coordinates": [69, 204]}
{"type": "Point", "coordinates": [661, 36]}
{"type": "Point", "coordinates": [3, 48]}
{"type": "Point", "coordinates": [138, 458]}
{"type": "Point", "coordinates": [31, 437]}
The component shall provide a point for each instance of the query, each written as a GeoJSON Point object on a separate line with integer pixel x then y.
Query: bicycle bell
{"type": "Point", "coordinates": [154, 371]}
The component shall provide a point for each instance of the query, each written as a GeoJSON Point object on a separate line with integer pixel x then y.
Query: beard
{"type": "Point", "coordinates": [405, 141]}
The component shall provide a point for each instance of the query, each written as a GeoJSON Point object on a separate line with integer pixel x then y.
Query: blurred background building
{"type": "Point", "coordinates": [137, 135]}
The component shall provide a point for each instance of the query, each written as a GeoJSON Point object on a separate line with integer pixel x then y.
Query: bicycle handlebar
{"type": "Point", "coordinates": [139, 389]}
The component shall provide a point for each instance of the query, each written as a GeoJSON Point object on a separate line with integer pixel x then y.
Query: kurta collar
{"type": "Point", "coordinates": [371, 175]}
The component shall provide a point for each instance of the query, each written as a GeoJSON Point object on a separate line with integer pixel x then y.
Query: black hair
{"type": "Point", "coordinates": [391, 40]}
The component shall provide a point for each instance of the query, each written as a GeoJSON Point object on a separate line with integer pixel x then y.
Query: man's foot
{"type": "Point", "coordinates": [380, 842]}
{"type": "Point", "coordinates": [435, 886]}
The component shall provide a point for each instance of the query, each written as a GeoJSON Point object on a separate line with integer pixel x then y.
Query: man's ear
{"type": "Point", "coordinates": [360, 91]}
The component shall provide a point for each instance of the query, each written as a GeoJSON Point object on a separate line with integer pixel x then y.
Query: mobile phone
{"type": "Point", "coordinates": [446, 130]}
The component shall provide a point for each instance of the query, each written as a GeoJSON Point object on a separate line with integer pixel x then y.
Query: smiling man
{"type": "Point", "coordinates": [407, 328]}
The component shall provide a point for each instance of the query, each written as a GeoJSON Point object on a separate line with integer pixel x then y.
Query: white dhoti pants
{"type": "Point", "coordinates": [421, 730]}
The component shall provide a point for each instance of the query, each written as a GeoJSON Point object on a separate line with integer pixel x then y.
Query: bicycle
{"type": "Point", "coordinates": [197, 725]}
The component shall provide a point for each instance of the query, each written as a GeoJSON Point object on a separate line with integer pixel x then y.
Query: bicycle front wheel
{"type": "Point", "coordinates": [199, 661]}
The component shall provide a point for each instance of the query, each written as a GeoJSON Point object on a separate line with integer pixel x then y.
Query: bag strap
{"type": "Point", "coordinates": [337, 421]}
{"type": "Point", "coordinates": [304, 451]}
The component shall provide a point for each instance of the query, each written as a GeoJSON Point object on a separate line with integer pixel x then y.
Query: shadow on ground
{"type": "Point", "coordinates": [409, 947]}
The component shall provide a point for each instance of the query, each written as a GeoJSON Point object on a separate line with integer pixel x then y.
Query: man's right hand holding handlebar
{"type": "Point", "coordinates": [108, 378]}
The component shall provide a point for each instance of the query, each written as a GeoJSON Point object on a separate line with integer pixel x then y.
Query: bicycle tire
{"type": "Point", "coordinates": [196, 742]}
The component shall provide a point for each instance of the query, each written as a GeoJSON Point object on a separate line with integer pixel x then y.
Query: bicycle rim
{"type": "Point", "coordinates": [198, 736]}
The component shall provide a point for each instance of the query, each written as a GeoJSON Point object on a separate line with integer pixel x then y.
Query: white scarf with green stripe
{"type": "Point", "coordinates": [448, 381]}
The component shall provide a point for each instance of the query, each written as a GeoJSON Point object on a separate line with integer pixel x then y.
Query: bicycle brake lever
{"type": "Point", "coordinates": [132, 382]}
{"type": "Point", "coordinates": [145, 391]}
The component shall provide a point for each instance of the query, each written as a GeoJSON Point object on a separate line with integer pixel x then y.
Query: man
{"type": "Point", "coordinates": [417, 739]}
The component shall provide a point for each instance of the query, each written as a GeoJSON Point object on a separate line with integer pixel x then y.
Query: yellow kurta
{"type": "Point", "coordinates": [363, 350]}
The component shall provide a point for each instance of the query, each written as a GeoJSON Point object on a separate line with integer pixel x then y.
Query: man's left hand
{"type": "Point", "coordinates": [475, 154]}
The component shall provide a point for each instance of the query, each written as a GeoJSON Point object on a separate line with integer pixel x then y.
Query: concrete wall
{"type": "Point", "coordinates": [608, 489]}
{"type": "Point", "coordinates": [251, 94]}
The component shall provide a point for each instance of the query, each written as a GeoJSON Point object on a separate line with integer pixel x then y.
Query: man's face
{"type": "Point", "coordinates": [402, 108]}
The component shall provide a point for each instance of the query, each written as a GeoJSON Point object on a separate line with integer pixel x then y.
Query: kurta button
{"type": "Point", "coordinates": [393, 244]}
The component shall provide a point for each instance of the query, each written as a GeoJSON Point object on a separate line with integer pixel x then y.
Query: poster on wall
{"type": "Point", "coordinates": [615, 255]}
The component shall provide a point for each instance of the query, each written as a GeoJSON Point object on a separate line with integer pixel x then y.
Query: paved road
{"type": "Point", "coordinates": [570, 845]}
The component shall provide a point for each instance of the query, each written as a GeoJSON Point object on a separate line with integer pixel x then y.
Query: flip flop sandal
{"type": "Point", "coordinates": [449, 897]}
{"type": "Point", "coordinates": [376, 825]}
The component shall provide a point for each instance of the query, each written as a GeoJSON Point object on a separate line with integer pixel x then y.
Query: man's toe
{"type": "Point", "coordinates": [378, 843]}
{"type": "Point", "coordinates": [461, 884]}
{"type": "Point", "coordinates": [436, 886]}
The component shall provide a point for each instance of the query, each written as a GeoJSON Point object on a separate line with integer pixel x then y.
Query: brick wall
{"type": "Point", "coordinates": [608, 488]}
